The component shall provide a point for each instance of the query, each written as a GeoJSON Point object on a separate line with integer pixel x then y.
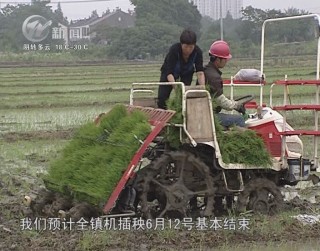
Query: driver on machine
{"type": "Point", "coordinates": [219, 55]}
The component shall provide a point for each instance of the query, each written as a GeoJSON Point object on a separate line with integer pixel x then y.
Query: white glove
{"type": "Point", "coordinates": [227, 104]}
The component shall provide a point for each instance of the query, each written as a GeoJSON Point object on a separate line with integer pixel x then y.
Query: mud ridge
{"type": "Point", "coordinates": [11, 137]}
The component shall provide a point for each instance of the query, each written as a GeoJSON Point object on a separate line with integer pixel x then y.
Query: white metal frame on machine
{"type": "Point", "coordinates": [165, 83]}
{"type": "Point", "coordinates": [316, 16]}
{"type": "Point", "coordinates": [248, 84]}
{"type": "Point", "coordinates": [289, 18]}
{"type": "Point", "coordinates": [184, 108]}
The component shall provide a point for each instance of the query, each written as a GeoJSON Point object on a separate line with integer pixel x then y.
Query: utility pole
{"type": "Point", "coordinates": [221, 21]}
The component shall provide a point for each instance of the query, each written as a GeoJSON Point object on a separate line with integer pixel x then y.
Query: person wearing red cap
{"type": "Point", "coordinates": [219, 53]}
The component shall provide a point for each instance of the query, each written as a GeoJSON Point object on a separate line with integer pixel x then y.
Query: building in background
{"type": "Point", "coordinates": [211, 8]}
{"type": "Point", "coordinates": [83, 29]}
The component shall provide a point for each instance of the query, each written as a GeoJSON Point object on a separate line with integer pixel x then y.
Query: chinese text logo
{"type": "Point", "coordinates": [36, 28]}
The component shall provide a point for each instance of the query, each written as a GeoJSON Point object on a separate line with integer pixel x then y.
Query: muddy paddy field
{"type": "Point", "coordinates": [40, 109]}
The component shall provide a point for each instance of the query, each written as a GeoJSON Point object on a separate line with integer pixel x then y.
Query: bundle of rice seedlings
{"type": "Point", "coordinates": [244, 147]}
{"type": "Point", "coordinates": [92, 163]}
{"type": "Point", "coordinates": [174, 103]}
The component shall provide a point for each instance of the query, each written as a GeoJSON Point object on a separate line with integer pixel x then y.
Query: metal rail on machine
{"type": "Point", "coordinates": [236, 83]}
{"type": "Point", "coordinates": [182, 86]}
{"type": "Point", "coordinates": [286, 83]}
{"type": "Point", "coordinates": [317, 16]}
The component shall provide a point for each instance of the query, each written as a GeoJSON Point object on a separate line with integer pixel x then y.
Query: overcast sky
{"type": "Point", "coordinates": [82, 10]}
{"type": "Point", "coordinates": [309, 5]}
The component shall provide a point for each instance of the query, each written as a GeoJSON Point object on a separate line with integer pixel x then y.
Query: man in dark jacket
{"type": "Point", "coordinates": [182, 60]}
{"type": "Point", "coordinates": [219, 55]}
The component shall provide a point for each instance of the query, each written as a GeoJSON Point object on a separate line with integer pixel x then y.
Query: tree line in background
{"type": "Point", "coordinates": [159, 24]}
